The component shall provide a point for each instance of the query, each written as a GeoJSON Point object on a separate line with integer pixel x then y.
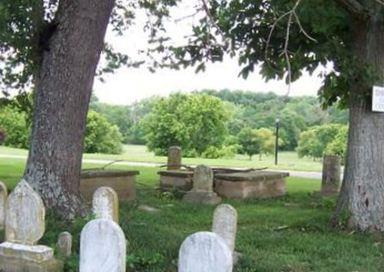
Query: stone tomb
{"type": "Point", "coordinates": [202, 191]}
{"type": "Point", "coordinates": [3, 199]}
{"type": "Point", "coordinates": [122, 182]}
{"type": "Point", "coordinates": [253, 184]}
{"type": "Point", "coordinates": [176, 180]}
{"type": "Point", "coordinates": [24, 226]}
{"type": "Point", "coordinates": [105, 204]}
{"type": "Point", "coordinates": [205, 252]}
{"type": "Point", "coordinates": [102, 247]}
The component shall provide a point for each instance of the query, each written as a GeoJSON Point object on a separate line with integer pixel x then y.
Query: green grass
{"type": "Point", "coordinates": [138, 153]}
{"type": "Point", "coordinates": [284, 234]}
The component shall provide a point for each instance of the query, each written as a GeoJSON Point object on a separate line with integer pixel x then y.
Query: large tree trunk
{"type": "Point", "coordinates": [63, 89]}
{"type": "Point", "coordinates": [362, 192]}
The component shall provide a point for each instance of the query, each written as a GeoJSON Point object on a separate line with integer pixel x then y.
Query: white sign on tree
{"type": "Point", "coordinates": [378, 99]}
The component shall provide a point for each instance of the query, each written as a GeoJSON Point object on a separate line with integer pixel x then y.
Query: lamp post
{"type": "Point", "coordinates": [277, 123]}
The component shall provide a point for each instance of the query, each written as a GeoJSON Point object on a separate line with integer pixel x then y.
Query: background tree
{"type": "Point", "coordinates": [249, 141]}
{"type": "Point", "coordinates": [101, 136]}
{"type": "Point", "coordinates": [194, 122]}
{"type": "Point", "coordinates": [320, 140]}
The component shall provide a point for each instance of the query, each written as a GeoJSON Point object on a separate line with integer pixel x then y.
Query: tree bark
{"type": "Point", "coordinates": [362, 192]}
{"type": "Point", "coordinates": [63, 89]}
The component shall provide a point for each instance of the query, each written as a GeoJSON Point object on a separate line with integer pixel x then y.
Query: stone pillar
{"type": "Point", "coordinates": [3, 199]}
{"type": "Point", "coordinates": [331, 175]}
{"type": "Point", "coordinates": [105, 204]}
{"type": "Point", "coordinates": [204, 252]}
{"type": "Point", "coordinates": [24, 226]}
{"type": "Point", "coordinates": [174, 158]}
{"type": "Point", "coordinates": [202, 191]}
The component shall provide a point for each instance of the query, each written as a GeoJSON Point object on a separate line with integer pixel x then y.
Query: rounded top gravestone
{"type": "Point", "coordinates": [204, 252]}
{"type": "Point", "coordinates": [225, 224]}
{"type": "Point", "coordinates": [102, 247]}
{"type": "Point", "coordinates": [105, 204]}
{"type": "Point", "coordinates": [25, 215]}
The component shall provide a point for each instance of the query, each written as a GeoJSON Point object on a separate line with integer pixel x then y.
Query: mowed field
{"type": "Point", "coordinates": [287, 160]}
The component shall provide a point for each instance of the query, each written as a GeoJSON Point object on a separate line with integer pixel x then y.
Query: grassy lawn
{"type": "Point", "coordinates": [138, 153]}
{"type": "Point", "coordinates": [285, 234]}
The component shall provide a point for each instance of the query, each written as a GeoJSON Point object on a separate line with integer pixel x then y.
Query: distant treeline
{"type": "Point", "coordinates": [247, 109]}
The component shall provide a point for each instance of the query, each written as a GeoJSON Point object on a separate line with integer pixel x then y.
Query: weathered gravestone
{"type": "Point", "coordinates": [105, 204]}
{"type": "Point", "coordinates": [174, 158]}
{"type": "Point", "coordinates": [205, 252]}
{"type": "Point", "coordinates": [225, 224]}
{"type": "Point", "coordinates": [102, 247]}
{"type": "Point", "coordinates": [64, 244]}
{"type": "Point", "coordinates": [331, 175]}
{"type": "Point", "coordinates": [24, 226]}
{"type": "Point", "coordinates": [3, 199]}
{"type": "Point", "coordinates": [202, 191]}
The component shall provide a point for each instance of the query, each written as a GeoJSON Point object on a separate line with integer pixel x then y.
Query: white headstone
{"type": "Point", "coordinates": [3, 199]}
{"type": "Point", "coordinates": [102, 247]}
{"type": "Point", "coordinates": [64, 244]}
{"type": "Point", "coordinates": [105, 204]}
{"type": "Point", "coordinates": [25, 215]}
{"type": "Point", "coordinates": [225, 224]}
{"type": "Point", "coordinates": [205, 252]}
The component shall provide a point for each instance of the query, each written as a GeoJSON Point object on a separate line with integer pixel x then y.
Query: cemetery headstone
{"type": "Point", "coordinates": [105, 204]}
{"type": "Point", "coordinates": [3, 199]}
{"type": "Point", "coordinates": [174, 158]}
{"type": "Point", "coordinates": [102, 247]}
{"type": "Point", "coordinates": [202, 191]}
{"type": "Point", "coordinates": [205, 252]}
{"type": "Point", "coordinates": [64, 244]}
{"type": "Point", "coordinates": [331, 175]}
{"type": "Point", "coordinates": [225, 224]}
{"type": "Point", "coordinates": [24, 226]}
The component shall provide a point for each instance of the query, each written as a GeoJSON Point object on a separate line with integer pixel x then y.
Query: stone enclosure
{"type": "Point", "coordinates": [122, 182]}
{"type": "Point", "coordinates": [227, 183]}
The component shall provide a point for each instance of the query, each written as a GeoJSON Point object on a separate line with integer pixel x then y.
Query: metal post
{"type": "Point", "coordinates": [277, 123]}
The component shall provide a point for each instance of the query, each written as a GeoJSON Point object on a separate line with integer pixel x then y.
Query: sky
{"type": "Point", "coordinates": [129, 85]}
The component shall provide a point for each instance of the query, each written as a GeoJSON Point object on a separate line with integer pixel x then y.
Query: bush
{"type": "Point", "coordinates": [13, 128]}
{"type": "Point", "coordinates": [101, 136]}
{"type": "Point", "coordinates": [320, 140]}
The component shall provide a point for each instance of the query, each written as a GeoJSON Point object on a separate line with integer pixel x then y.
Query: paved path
{"type": "Point", "coordinates": [302, 174]}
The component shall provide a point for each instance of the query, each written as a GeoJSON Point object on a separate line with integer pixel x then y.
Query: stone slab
{"type": "Point", "coordinates": [122, 182]}
{"type": "Point", "coordinates": [250, 189]}
{"type": "Point", "coordinates": [11, 264]}
{"type": "Point", "coordinates": [35, 254]}
{"type": "Point", "coordinates": [209, 198]}
{"type": "Point", "coordinates": [252, 176]}
{"type": "Point", "coordinates": [179, 180]}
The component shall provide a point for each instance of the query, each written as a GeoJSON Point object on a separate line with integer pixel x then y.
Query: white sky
{"type": "Point", "coordinates": [129, 85]}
